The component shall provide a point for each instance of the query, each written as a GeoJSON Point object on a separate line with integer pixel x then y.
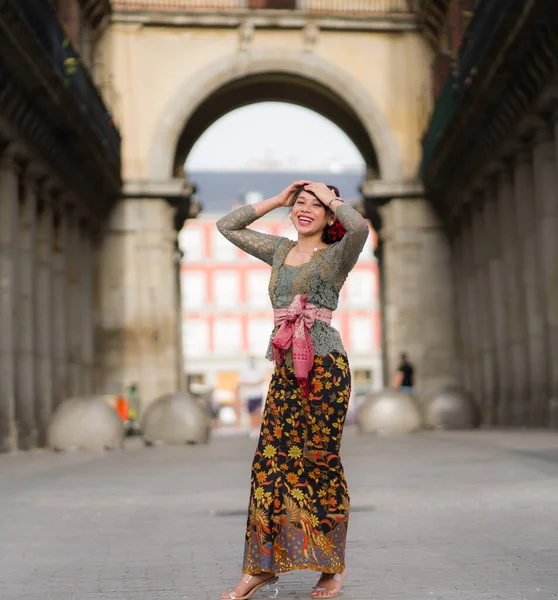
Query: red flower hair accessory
{"type": "Point", "coordinates": [336, 231]}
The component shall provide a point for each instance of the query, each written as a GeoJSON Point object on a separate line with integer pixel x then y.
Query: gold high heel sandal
{"type": "Point", "coordinates": [269, 585]}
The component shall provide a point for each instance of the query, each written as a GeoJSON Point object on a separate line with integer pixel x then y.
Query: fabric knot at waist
{"type": "Point", "coordinates": [294, 324]}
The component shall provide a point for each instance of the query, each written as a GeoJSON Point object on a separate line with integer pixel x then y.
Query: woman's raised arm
{"type": "Point", "coordinates": [261, 245]}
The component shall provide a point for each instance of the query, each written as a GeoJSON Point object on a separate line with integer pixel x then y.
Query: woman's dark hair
{"type": "Point", "coordinates": [327, 237]}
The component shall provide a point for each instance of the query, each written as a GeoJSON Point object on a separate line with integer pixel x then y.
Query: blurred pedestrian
{"type": "Point", "coordinates": [405, 376]}
{"type": "Point", "coordinates": [299, 502]}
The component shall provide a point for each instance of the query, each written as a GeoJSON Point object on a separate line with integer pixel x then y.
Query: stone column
{"type": "Point", "coordinates": [546, 186]}
{"type": "Point", "coordinates": [26, 351]}
{"type": "Point", "coordinates": [44, 331]}
{"type": "Point", "coordinates": [9, 250]}
{"type": "Point", "coordinates": [419, 311]}
{"type": "Point", "coordinates": [512, 241]}
{"type": "Point", "coordinates": [496, 206]}
{"type": "Point", "coordinates": [86, 290]}
{"type": "Point", "coordinates": [74, 325]}
{"type": "Point", "coordinates": [546, 201]}
{"type": "Point", "coordinates": [59, 306]}
{"type": "Point", "coordinates": [460, 302]}
{"type": "Point", "coordinates": [482, 302]}
{"type": "Point", "coordinates": [137, 340]}
{"type": "Point", "coordinates": [524, 194]}
{"type": "Point", "coordinates": [470, 318]}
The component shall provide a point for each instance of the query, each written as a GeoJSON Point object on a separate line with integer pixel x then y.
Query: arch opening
{"type": "Point", "coordinates": [277, 87]}
{"type": "Point", "coordinates": [258, 75]}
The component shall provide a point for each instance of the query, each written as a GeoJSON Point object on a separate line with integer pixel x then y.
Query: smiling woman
{"type": "Point", "coordinates": [299, 502]}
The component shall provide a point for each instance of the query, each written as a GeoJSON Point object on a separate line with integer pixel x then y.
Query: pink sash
{"type": "Point", "coordinates": [294, 323]}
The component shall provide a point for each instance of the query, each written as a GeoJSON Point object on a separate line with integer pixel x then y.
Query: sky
{"type": "Point", "coordinates": [260, 136]}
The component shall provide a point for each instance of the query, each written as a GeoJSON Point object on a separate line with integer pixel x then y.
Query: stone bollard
{"type": "Point", "coordinates": [175, 419]}
{"type": "Point", "coordinates": [87, 423]}
{"type": "Point", "coordinates": [450, 407]}
{"type": "Point", "coordinates": [389, 412]}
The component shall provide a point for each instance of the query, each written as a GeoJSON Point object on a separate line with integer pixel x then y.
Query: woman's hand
{"type": "Point", "coordinates": [285, 198]}
{"type": "Point", "coordinates": [324, 194]}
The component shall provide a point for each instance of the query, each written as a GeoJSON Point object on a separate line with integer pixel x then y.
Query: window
{"type": "Point", "coordinates": [257, 284]}
{"type": "Point", "coordinates": [259, 332]}
{"type": "Point", "coordinates": [226, 289]}
{"type": "Point", "coordinates": [362, 334]}
{"type": "Point", "coordinates": [223, 250]}
{"type": "Point", "coordinates": [192, 243]}
{"type": "Point", "coordinates": [361, 289]}
{"type": "Point", "coordinates": [227, 336]}
{"type": "Point", "coordinates": [193, 290]}
{"type": "Point", "coordinates": [195, 338]}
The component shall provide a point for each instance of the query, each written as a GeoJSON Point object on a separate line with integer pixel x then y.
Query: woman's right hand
{"type": "Point", "coordinates": [285, 198]}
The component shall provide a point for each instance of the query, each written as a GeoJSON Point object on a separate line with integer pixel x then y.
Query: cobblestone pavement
{"type": "Point", "coordinates": [447, 516]}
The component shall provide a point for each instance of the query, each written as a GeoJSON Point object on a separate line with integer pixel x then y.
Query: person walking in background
{"type": "Point", "coordinates": [405, 376]}
{"type": "Point", "coordinates": [299, 502]}
{"type": "Point", "coordinates": [251, 392]}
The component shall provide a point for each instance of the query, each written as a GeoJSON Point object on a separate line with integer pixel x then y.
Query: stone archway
{"type": "Point", "coordinates": [193, 93]}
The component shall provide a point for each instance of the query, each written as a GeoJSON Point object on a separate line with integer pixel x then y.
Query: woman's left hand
{"type": "Point", "coordinates": [321, 190]}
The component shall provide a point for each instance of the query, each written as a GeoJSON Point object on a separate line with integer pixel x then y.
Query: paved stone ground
{"type": "Point", "coordinates": [446, 516]}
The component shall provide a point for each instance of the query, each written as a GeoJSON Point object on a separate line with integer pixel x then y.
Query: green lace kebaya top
{"type": "Point", "coordinates": [321, 279]}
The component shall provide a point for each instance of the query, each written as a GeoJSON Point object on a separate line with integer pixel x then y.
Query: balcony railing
{"type": "Point", "coordinates": [477, 42]}
{"type": "Point", "coordinates": [43, 21]}
{"type": "Point", "coordinates": [312, 6]}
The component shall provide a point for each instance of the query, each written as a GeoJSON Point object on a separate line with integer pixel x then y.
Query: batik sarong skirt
{"type": "Point", "coordinates": [299, 502]}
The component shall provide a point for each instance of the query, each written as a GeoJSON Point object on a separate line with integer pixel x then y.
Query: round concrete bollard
{"type": "Point", "coordinates": [175, 419]}
{"type": "Point", "coordinates": [389, 412]}
{"type": "Point", "coordinates": [450, 407]}
{"type": "Point", "coordinates": [88, 423]}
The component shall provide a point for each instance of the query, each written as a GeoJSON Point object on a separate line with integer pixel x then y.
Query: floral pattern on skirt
{"type": "Point", "coordinates": [299, 502]}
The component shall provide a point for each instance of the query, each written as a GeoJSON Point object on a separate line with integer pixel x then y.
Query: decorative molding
{"type": "Point", "coordinates": [262, 19]}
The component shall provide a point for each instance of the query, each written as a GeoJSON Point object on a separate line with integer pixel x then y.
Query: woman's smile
{"type": "Point", "coordinates": [305, 220]}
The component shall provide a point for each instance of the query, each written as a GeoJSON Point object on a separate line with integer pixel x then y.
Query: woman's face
{"type": "Point", "coordinates": [309, 215]}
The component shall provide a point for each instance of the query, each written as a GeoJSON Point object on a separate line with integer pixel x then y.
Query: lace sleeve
{"type": "Point", "coordinates": [234, 227]}
{"type": "Point", "coordinates": [346, 252]}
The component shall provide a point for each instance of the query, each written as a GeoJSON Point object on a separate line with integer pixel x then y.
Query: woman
{"type": "Point", "coordinates": [299, 503]}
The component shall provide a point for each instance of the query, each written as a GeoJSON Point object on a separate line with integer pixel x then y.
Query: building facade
{"type": "Point", "coordinates": [227, 315]}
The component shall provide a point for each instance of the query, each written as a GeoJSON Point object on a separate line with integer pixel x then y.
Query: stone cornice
{"type": "Point", "coordinates": [19, 120]}
{"type": "Point", "coordinates": [264, 19]}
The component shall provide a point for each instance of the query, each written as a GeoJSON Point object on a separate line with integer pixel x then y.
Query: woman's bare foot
{"type": "Point", "coordinates": [329, 585]}
{"type": "Point", "coordinates": [246, 584]}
